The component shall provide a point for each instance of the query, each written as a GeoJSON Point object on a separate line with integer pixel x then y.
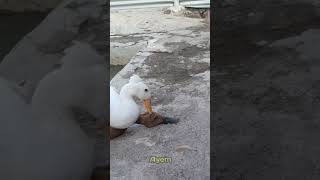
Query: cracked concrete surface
{"type": "Point", "coordinates": [133, 30]}
{"type": "Point", "coordinates": [175, 65]}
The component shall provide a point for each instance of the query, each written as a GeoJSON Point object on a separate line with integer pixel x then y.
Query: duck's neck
{"type": "Point", "coordinates": [127, 92]}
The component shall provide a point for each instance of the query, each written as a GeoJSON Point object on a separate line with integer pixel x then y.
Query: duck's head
{"type": "Point", "coordinates": [140, 90]}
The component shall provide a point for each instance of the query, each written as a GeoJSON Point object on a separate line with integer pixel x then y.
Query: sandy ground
{"type": "Point", "coordinates": [266, 96]}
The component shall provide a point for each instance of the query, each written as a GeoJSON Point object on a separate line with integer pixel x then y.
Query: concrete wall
{"type": "Point", "coordinates": [28, 5]}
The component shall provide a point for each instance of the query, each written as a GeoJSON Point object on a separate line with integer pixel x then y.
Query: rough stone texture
{"type": "Point", "coordinates": [132, 30]}
{"type": "Point", "coordinates": [266, 100]}
{"type": "Point", "coordinates": [40, 51]}
{"type": "Point", "coordinates": [175, 65]}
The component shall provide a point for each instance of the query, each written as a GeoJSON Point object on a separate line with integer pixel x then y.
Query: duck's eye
{"type": "Point", "coordinates": [146, 90]}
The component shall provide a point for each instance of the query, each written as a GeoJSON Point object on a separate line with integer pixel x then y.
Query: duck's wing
{"type": "Point", "coordinates": [115, 103]}
{"type": "Point", "coordinates": [114, 98]}
{"type": "Point", "coordinates": [115, 107]}
{"type": "Point", "coordinates": [122, 113]}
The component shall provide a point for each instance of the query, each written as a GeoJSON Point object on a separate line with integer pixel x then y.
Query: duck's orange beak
{"type": "Point", "coordinates": [147, 105]}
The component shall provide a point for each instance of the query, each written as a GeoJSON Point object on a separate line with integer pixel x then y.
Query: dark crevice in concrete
{"type": "Point", "coordinates": [114, 69]}
{"type": "Point", "coordinates": [14, 26]}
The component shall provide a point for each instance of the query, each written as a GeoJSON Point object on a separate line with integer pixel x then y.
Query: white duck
{"type": "Point", "coordinates": [44, 141]}
{"type": "Point", "coordinates": [123, 109]}
{"type": "Point", "coordinates": [34, 148]}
